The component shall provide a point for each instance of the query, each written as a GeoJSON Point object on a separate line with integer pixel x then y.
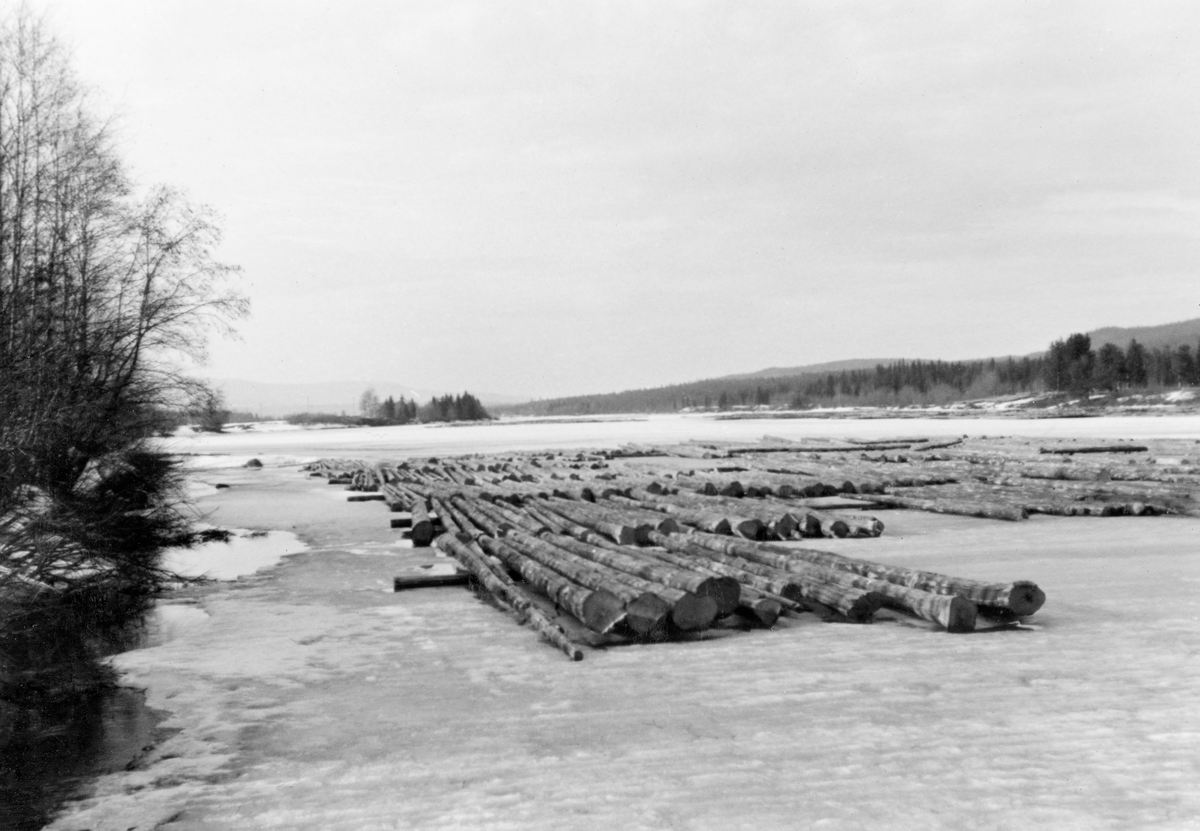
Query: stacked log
{"type": "Point", "coordinates": [595, 607]}
{"type": "Point", "coordinates": [723, 591]}
{"type": "Point", "coordinates": [701, 513]}
{"type": "Point", "coordinates": [1018, 599]}
{"type": "Point", "coordinates": [848, 589]}
{"type": "Point", "coordinates": [497, 582]}
{"type": "Point", "coordinates": [855, 604]}
{"type": "Point", "coordinates": [961, 507]}
{"type": "Point", "coordinates": [629, 550]}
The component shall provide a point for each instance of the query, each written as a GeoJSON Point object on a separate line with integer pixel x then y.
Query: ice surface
{"type": "Point", "coordinates": [314, 698]}
{"type": "Point", "coordinates": [416, 440]}
{"type": "Point", "coordinates": [244, 554]}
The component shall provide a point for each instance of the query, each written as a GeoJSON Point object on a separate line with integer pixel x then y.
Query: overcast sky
{"type": "Point", "coordinates": [550, 198]}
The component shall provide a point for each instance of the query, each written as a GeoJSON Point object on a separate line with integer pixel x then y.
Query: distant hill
{"type": "Point", "coordinates": [1166, 335]}
{"type": "Point", "coordinates": [882, 381]}
{"type": "Point", "coordinates": [829, 366]}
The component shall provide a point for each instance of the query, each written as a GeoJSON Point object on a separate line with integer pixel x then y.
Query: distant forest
{"type": "Point", "coordinates": [1069, 366]}
{"type": "Point", "coordinates": [465, 407]}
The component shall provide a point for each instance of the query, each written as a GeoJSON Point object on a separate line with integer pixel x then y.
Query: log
{"type": "Point", "coordinates": [646, 613]}
{"type": "Point", "coordinates": [752, 518]}
{"type": "Point", "coordinates": [562, 525]}
{"type": "Point", "coordinates": [472, 510]}
{"type": "Point", "coordinates": [751, 602]}
{"type": "Point", "coordinates": [517, 519]}
{"type": "Point", "coordinates": [855, 604]}
{"type": "Point", "coordinates": [597, 609]}
{"type": "Point", "coordinates": [417, 580]}
{"type": "Point", "coordinates": [1104, 448]}
{"type": "Point", "coordinates": [366, 497]}
{"type": "Point", "coordinates": [1021, 598]}
{"type": "Point", "coordinates": [464, 522]}
{"type": "Point", "coordinates": [1012, 513]}
{"type": "Point", "coordinates": [448, 522]}
{"type": "Point", "coordinates": [704, 512]}
{"type": "Point", "coordinates": [576, 493]}
{"type": "Point", "coordinates": [398, 501]}
{"type": "Point", "coordinates": [955, 613]}
{"type": "Point", "coordinates": [621, 514]}
{"type": "Point", "coordinates": [711, 523]}
{"type": "Point", "coordinates": [688, 611]}
{"type": "Point", "coordinates": [935, 445]}
{"type": "Point", "coordinates": [584, 534]}
{"type": "Point", "coordinates": [759, 608]}
{"type": "Point", "coordinates": [723, 591]}
{"type": "Point", "coordinates": [620, 533]}
{"type": "Point", "coordinates": [823, 524]}
{"type": "Point", "coordinates": [504, 589]}
{"type": "Point", "coordinates": [422, 525]}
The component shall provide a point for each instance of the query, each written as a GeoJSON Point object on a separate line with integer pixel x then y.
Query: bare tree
{"type": "Point", "coordinates": [101, 292]}
{"type": "Point", "coordinates": [210, 410]}
{"type": "Point", "coordinates": [368, 403]}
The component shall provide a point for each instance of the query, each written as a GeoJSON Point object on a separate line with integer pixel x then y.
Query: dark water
{"type": "Point", "coordinates": [104, 735]}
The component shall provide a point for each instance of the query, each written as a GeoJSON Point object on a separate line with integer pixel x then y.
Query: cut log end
{"type": "Point", "coordinates": [694, 612]}
{"type": "Point", "coordinates": [960, 615]}
{"type": "Point", "coordinates": [1025, 599]}
{"type": "Point", "coordinates": [602, 611]}
{"type": "Point", "coordinates": [751, 529]}
{"type": "Point", "coordinates": [422, 534]}
{"type": "Point", "coordinates": [646, 613]}
{"type": "Point", "coordinates": [725, 592]}
{"type": "Point", "coordinates": [764, 612]}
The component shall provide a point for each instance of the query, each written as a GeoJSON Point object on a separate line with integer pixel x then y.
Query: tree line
{"type": "Point", "coordinates": [465, 407]}
{"type": "Point", "coordinates": [1069, 366]}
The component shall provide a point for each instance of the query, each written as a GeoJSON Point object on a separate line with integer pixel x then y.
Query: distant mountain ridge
{"type": "Point", "coordinates": [828, 366]}
{"type": "Point", "coordinates": [1163, 335]}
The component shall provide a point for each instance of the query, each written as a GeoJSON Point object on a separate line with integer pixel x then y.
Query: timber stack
{"type": "Point", "coordinates": [653, 543]}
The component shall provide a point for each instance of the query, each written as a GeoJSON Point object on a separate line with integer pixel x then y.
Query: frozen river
{"type": "Point", "coordinates": [410, 440]}
{"type": "Point", "coordinates": [309, 696]}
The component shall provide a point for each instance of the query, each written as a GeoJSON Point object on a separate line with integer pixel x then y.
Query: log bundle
{"type": "Point", "coordinates": [644, 543]}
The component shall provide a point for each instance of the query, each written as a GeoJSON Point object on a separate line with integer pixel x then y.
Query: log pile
{"type": "Point", "coordinates": [596, 548]}
{"type": "Point", "coordinates": [651, 543]}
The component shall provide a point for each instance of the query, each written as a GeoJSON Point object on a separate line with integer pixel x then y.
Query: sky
{"type": "Point", "coordinates": [546, 198]}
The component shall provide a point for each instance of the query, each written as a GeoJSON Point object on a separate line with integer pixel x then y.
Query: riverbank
{"type": "Point", "coordinates": [310, 696]}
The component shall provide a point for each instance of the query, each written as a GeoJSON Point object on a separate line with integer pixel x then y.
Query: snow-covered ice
{"type": "Point", "coordinates": [284, 447]}
{"type": "Point", "coordinates": [311, 697]}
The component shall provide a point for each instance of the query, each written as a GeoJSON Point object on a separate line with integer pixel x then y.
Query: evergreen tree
{"type": "Point", "coordinates": [1136, 369]}
{"type": "Point", "coordinates": [1185, 365]}
{"type": "Point", "coordinates": [1110, 367]}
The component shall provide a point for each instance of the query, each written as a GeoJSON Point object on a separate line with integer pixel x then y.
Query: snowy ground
{"type": "Point", "coordinates": [281, 446]}
{"type": "Point", "coordinates": [310, 696]}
